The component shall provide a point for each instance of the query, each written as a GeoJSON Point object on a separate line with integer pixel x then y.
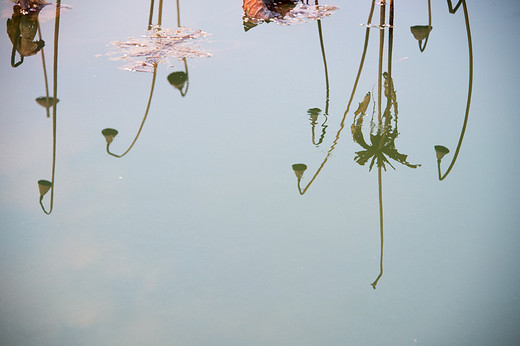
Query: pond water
{"type": "Point", "coordinates": [202, 233]}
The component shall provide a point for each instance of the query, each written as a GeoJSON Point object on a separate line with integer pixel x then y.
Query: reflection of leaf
{"type": "Point", "coordinates": [158, 45]}
{"type": "Point", "coordinates": [357, 124]}
{"type": "Point", "coordinates": [381, 147]}
{"type": "Point", "coordinates": [382, 137]}
{"type": "Point", "coordinates": [363, 105]}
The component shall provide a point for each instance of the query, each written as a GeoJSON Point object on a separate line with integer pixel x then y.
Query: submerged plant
{"type": "Point", "coordinates": [158, 45]}
{"type": "Point", "coordinates": [382, 135]}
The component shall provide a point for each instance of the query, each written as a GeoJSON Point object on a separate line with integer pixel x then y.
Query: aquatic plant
{"type": "Point", "coordinates": [158, 45]}
{"type": "Point", "coordinates": [382, 135]}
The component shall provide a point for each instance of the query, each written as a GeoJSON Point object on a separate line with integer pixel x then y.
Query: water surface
{"type": "Point", "coordinates": [202, 234]}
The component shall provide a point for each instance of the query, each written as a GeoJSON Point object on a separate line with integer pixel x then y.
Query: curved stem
{"type": "Point", "coordinates": [15, 44]}
{"type": "Point", "coordinates": [144, 118]}
{"type": "Point", "coordinates": [429, 27]}
{"type": "Point", "coordinates": [454, 9]}
{"type": "Point", "coordinates": [185, 91]}
{"type": "Point", "coordinates": [470, 87]}
{"type": "Point", "coordinates": [44, 73]}
{"type": "Point", "coordinates": [323, 132]}
{"type": "Point", "coordinates": [342, 125]}
{"type": "Point", "coordinates": [55, 98]}
{"type": "Point", "coordinates": [54, 110]}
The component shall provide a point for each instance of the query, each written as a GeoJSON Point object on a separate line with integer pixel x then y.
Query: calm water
{"type": "Point", "coordinates": [203, 234]}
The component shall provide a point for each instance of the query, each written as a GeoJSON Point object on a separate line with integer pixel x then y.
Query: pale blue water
{"type": "Point", "coordinates": [199, 236]}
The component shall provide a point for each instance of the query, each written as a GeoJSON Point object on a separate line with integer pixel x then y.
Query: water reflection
{"type": "Point", "coordinates": [301, 167]}
{"type": "Point", "coordinates": [383, 130]}
{"type": "Point", "coordinates": [259, 11]}
{"type": "Point", "coordinates": [146, 53]}
{"type": "Point", "coordinates": [440, 150]}
{"type": "Point", "coordinates": [283, 12]}
{"type": "Point", "coordinates": [22, 28]}
{"type": "Point", "coordinates": [422, 32]}
{"type": "Point", "coordinates": [45, 185]}
{"type": "Point", "coordinates": [110, 133]}
{"type": "Point", "coordinates": [383, 133]}
{"type": "Point", "coordinates": [379, 142]}
{"type": "Point", "coordinates": [180, 79]}
{"type": "Point", "coordinates": [314, 113]}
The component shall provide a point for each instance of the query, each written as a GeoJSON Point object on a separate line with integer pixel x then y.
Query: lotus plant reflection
{"type": "Point", "coordinates": [382, 135]}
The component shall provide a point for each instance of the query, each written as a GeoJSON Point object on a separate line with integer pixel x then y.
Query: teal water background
{"type": "Point", "coordinates": [199, 236]}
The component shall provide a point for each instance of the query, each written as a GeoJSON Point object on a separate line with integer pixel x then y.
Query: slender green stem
{"type": "Point", "coordinates": [470, 88]}
{"type": "Point", "coordinates": [54, 108]}
{"type": "Point", "coordinates": [55, 98]}
{"type": "Point", "coordinates": [379, 168]}
{"type": "Point", "coordinates": [389, 69]}
{"type": "Point", "coordinates": [324, 66]}
{"type": "Point", "coordinates": [326, 112]}
{"type": "Point", "coordinates": [178, 14]}
{"type": "Point", "coordinates": [380, 183]}
{"type": "Point", "coordinates": [159, 20]}
{"type": "Point", "coordinates": [380, 65]}
{"type": "Point", "coordinates": [183, 93]}
{"type": "Point", "coordinates": [44, 74]}
{"type": "Point", "coordinates": [390, 37]}
{"type": "Point", "coordinates": [144, 118]}
{"type": "Point", "coordinates": [423, 47]}
{"type": "Point", "coordinates": [342, 125]}
{"type": "Point", "coordinates": [150, 18]}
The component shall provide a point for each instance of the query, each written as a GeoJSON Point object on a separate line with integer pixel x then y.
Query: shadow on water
{"type": "Point", "coordinates": [383, 130]}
